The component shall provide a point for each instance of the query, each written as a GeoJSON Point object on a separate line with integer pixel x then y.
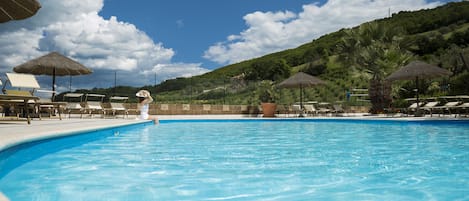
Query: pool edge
{"type": "Point", "coordinates": [61, 133]}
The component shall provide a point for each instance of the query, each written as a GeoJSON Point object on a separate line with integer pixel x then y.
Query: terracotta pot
{"type": "Point", "coordinates": [268, 109]}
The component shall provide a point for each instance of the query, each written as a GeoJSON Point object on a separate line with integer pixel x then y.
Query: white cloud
{"type": "Point", "coordinates": [75, 29]}
{"type": "Point", "coordinates": [175, 69]}
{"type": "Point", "coordinates": [269, 32]}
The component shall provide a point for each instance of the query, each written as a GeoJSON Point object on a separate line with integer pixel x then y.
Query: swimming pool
{"type": "Point", "coordinates": [246, 160]}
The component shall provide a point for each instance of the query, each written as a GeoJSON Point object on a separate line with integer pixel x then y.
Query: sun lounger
{"type": "Point", "coordinates": [446, 107]}
{"type": "Point", "coordinates": [430, 106]}
{"type": "Point", "coordinates": [45, 104]}
{"type": "Point", "coordinates": [29, 81]}
{"type": "Point", "coordinates": [37, 105]}
{"type": "Point", "coordinates": [449, 106]}
{"type": "Point", "coordinates": [17, 101]}
{"type": "Point", "coordinates": [323, 108]}
{"type": "Point", "coordinates": [116, 105]}
{"type": "Point", "coordinates": [93, 104]}
{"type": "Point", "coordinates": [310, 109]}
{"type": "Point", "coordinates": [284, 109]}
{"type": "Point", "coordinates": [463, 108]}
{"type": "Point", "coordinates": [412, 108]}
{"type": "Point", "coordinates": [337, 109]}
{"type": "Point", "coordinates": [297, 109]}
{"type": "Point", "coordinates": [74, 103]}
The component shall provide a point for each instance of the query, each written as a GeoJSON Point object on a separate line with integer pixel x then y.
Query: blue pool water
{"type": "Point", "coordinates": [246, 160]}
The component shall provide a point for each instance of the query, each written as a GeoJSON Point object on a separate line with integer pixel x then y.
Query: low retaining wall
{"type": "Point", "coordinates": [197, 109]}
{"type": "Point", "coordinates": [200, 109]}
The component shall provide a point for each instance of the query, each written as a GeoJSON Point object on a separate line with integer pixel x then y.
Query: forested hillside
{"type": "Point", "coordinates": [346, 59]}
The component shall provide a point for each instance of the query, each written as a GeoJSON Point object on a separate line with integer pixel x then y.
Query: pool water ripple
{"type": "Point", "coordinates": [253, 160]}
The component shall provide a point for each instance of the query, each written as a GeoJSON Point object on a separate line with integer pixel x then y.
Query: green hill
{"type": "Point", "coordinates": [438, 36]}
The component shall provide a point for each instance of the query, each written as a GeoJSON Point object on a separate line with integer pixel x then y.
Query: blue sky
{"type": "Point", "coordinates": [141, 40]}
{"type": "Point", "coordinates": [189, 27]}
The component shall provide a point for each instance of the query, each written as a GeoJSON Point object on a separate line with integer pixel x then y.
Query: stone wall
{"type": "Point", "coordinates": [196, 109]}
{"type": "Point", "coordinates": [200, 109]}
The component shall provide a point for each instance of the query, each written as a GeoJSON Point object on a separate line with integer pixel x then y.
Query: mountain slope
{"type": "Point", "coordinates": [438, 36]}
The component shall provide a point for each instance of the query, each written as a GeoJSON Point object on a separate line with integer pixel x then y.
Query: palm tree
{"type": "Point", "coordinates": [377, 50]}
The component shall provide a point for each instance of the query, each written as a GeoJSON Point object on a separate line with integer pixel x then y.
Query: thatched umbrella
{"type": "Point", "coordinates": [53, 64]}
{"type": "Point", "coordinates": [301, 80]}
{"type": "Point", "coordinates": [417, 70]}
{"type": "Point", "coordinates": [17, 9]}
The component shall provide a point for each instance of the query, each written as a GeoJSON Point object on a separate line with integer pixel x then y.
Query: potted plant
{"type": "Point", "coordinates": [267, 97]}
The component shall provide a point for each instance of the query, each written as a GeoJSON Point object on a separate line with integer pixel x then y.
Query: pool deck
{"type": "Point", "coordinates": [13, 132]}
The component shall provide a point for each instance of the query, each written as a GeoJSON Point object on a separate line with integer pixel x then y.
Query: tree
{"type": "Point", "coordinates": [377, 50]}
{"type": "Point", "coordinates": [315, 68]}
{"type": "Point", "coordinates": [269, 70]}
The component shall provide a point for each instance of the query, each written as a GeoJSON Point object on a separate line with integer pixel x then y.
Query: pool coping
{"type": "Point", "coordinates": [16, 134]}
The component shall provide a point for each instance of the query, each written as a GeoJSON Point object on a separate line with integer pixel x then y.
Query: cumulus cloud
{"type": "Point", "coordinates": [113, 48]}
{"type": "Point", "coordinates": [269, 32]}
{"type": "Point", "coordinates": [75, 29]}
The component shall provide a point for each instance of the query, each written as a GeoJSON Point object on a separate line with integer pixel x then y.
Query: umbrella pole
{"type": "Point", "coordinates": [417, 112]}
{"type": "Point", "coordinates": [301, 101]}
{"type": "Point", "coordinates": [115, 83]}
{"type": "Point", "coordinates": [70, 84]}
{"type": "Point", "coordinates": [53, 84]}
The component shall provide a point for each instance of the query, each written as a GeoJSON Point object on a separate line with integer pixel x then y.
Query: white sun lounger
{"type": "Point", "coordinates": [116, 104]}
{"type": "Point", "coordinates": [461, 108]}
{"type": "Point", "coordinates": [28, 81]}
{"type": "Point", "coordinates": [429, 106]}
{"type": "Point", "coordinates": [310, 109]}
{"type": "Point", "coordinates": [446, 107]}
{"type": "Point", "coordinates": [74, 103]}
{"type": "Point", "coordinates": [93, 104]}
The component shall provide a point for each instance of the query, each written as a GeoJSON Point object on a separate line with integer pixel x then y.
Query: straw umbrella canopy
{"type": "Point", "coordinates": [418, 70]}
{"type": "Point", "coordinates": [17, 9]}
{"type": "Point", "coordinates": [301, 80]}
{"type": "Point", "coordinates": [53, 64]}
